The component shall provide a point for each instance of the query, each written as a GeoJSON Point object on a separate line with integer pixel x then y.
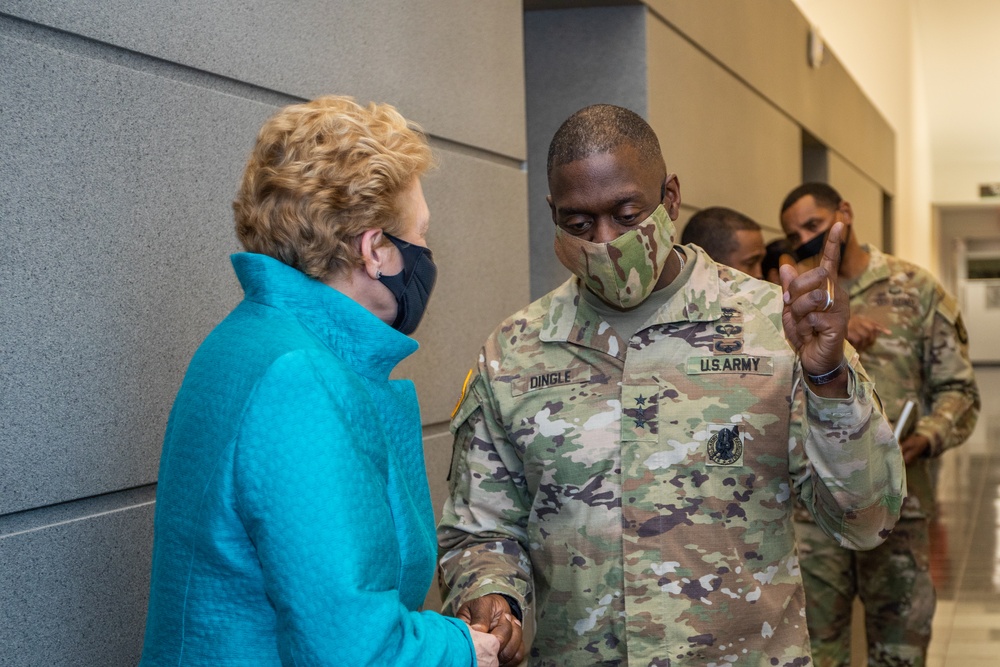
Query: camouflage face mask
{"type": "Point", "coordinates": [622, 272]}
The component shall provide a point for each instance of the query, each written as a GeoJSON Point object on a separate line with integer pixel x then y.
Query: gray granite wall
{"type": "Point", "coordinates": [125, 128]}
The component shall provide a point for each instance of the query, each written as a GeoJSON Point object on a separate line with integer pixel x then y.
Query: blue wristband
{"type": "Point", "coordinates": [829, 376]}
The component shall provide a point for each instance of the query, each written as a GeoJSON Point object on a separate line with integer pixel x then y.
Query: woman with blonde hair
{"type": "Point", "coordinates": [293, 518]}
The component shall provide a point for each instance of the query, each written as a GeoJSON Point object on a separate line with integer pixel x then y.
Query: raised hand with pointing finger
{"type": "Point", "coordinates": [815, 319]}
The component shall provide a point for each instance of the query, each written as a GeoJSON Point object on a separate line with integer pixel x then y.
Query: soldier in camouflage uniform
{"type": "Point", "coordinates": [627, 447]}
{"type": "Point", "coordinates": [911, 339]}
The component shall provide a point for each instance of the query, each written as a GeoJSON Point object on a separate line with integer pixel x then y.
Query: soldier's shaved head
{"type": "Point", "coordinates": [714, 229]}
{"type": "Point", "coordinates": [601, 128]}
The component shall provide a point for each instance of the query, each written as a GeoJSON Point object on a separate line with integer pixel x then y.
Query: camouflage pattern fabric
{"type": "Point", "coordinates": [634, 260]}
{"type": "Point", "coordinates": [896, 585]}
{"type": "Point", "coordinates": [636, 495]}
{"type": "Point", "coordinates": [924, 358]}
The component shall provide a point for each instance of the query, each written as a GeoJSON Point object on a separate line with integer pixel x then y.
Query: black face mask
{"type": "Point", "coordinates": [412, 286]}
{"type": "Point", "coordinates": [816, 244]}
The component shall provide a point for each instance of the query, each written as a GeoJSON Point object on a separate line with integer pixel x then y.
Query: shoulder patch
{"type": "Point", "coordinates": [465, 390]}
{"type": "Point", "coordinates": [947, 307]}
{"type": "Point", "coordinates": [960, 331]}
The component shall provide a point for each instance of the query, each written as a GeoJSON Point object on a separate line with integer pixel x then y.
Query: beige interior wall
{"type": "Point", "coordinates": [764, 44]}
{"type": "Point", "coordinates": [865, 198]}
{"type": "Point", "coordinates": [728, 145]}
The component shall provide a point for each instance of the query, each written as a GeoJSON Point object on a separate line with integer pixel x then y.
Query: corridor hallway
{"type": "Point", "coordinates": [965, 549]}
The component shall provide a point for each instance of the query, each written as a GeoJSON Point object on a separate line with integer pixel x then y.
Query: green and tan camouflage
{"type": "Point", "coordinates": [635, 495]}
{"type": "Point", "coordinates": [894, 579]}
{"type": "Point", "coordinates": [923, 358]}
{"type": "Point", "coordinates": [624, 271]}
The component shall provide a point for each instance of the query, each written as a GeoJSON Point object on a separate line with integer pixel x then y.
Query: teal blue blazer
{"type": "Point", "coordinates": [293, 518]}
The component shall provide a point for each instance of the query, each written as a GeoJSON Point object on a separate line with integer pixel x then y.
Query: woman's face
{"type": "Point", "coordinates": [416, 219]}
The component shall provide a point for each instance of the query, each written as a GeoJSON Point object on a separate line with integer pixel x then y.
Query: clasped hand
{"type": "Point", "coordinates": [496, 633]}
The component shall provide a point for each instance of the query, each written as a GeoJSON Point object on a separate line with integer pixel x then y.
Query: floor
{"type": "Point", "coordinates": [966, 548]}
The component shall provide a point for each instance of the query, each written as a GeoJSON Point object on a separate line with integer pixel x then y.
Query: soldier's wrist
{"type": "Point", "coordinates": [515, 607]}
{"type": "Point", "coordinates": [829, 376]}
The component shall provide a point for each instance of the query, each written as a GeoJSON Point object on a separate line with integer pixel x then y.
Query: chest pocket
{"type": "Point", "coordinates": [566, 421]}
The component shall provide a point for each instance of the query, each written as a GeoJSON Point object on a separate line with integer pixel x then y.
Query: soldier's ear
{"type": "Point", "coordinates": [552, 208]}
{"type": "Point", "coordinates": [846, 213]}
{"type": "Point", "coordinates": [671, 198]}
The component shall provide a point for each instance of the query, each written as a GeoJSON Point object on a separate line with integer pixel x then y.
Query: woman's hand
{"type": "Point", "coordinates": [491, 613]}
{"type": "Point", "coordinates": [487, 647]}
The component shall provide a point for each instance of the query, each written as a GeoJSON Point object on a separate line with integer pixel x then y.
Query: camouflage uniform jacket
{"type": "Point", "coordinates": [635, 494]}
{"type": "Point", "coordinates": [925, 358]}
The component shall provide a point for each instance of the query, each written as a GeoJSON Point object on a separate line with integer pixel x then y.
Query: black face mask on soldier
{"type": "Point", "coordinates": [412, 286]}
{"type": "Point", "coordinates": [815, 246]}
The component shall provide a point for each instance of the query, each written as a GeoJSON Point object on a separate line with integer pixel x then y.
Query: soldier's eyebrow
{"type": "Point", "coordinates": [621, 201]}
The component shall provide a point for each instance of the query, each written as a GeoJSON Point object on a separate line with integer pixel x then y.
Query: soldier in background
{"type": "Point", "coordinates": [777, 253]}
{"type": "Point", "coordinates": [910, 335]}
{"type": "Point", "coordinates": [627, 447]}
{"type": "Point", "coordinates": [729, 237]}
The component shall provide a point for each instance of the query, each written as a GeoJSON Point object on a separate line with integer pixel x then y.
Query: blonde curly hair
{"type": "Point", "coordinates": [320, 175]}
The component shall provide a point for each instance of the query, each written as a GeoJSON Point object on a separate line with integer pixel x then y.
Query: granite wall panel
{"type": "Point", "coordinates": [126, 129]}
{"type": "Point", "coordinates": [453, 64]}
{"type": "Point", "coordinates": [75, 582]}
{"type": "Point", "coordinates": [574, 58]}
{"type": "Point", "coordinates": [114, 197]}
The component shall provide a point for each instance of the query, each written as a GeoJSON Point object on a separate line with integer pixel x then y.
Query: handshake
{"type": "Point", "coordinates": [496, 632]}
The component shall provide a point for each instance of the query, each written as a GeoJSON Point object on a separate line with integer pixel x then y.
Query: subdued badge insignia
{"type": "Point", "coordinates": [731, 314]}
{"type": "Point", "coordinates": [728, 345]}
{"type": "Point", "coordinates": [725, 446]}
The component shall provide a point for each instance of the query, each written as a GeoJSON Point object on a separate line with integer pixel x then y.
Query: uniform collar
{"type": "Point", "coordinates": [570, 318]}
{"type": "Point", "coordinates": [876, 271]}
{"type": "Point", "coordinates": [351, 331]}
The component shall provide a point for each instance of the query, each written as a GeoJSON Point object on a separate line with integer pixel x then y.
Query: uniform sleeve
{"type": "Point", "coordinates": [311, 490]}
{"type": "Point", "coordinates": [482, 536]}
{"type": "Point", "coordinates": [853, 479]}
{"type": "Point", "coordinates": [950, 392]}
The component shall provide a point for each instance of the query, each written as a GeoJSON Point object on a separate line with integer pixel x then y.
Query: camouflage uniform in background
{"type": "Point", "coordinates": [635, 494]}
{"type": "Point", "coordinates": [925, 359]}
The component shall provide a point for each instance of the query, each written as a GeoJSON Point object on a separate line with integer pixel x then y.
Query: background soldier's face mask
{"type": "Point", "coordinates": [816, 244]}
{"type": "Point", "coordinates": [622, 272]}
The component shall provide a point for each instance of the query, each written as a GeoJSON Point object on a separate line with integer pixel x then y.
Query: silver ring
{"type": "Point", "coordinates": [829, 296]}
